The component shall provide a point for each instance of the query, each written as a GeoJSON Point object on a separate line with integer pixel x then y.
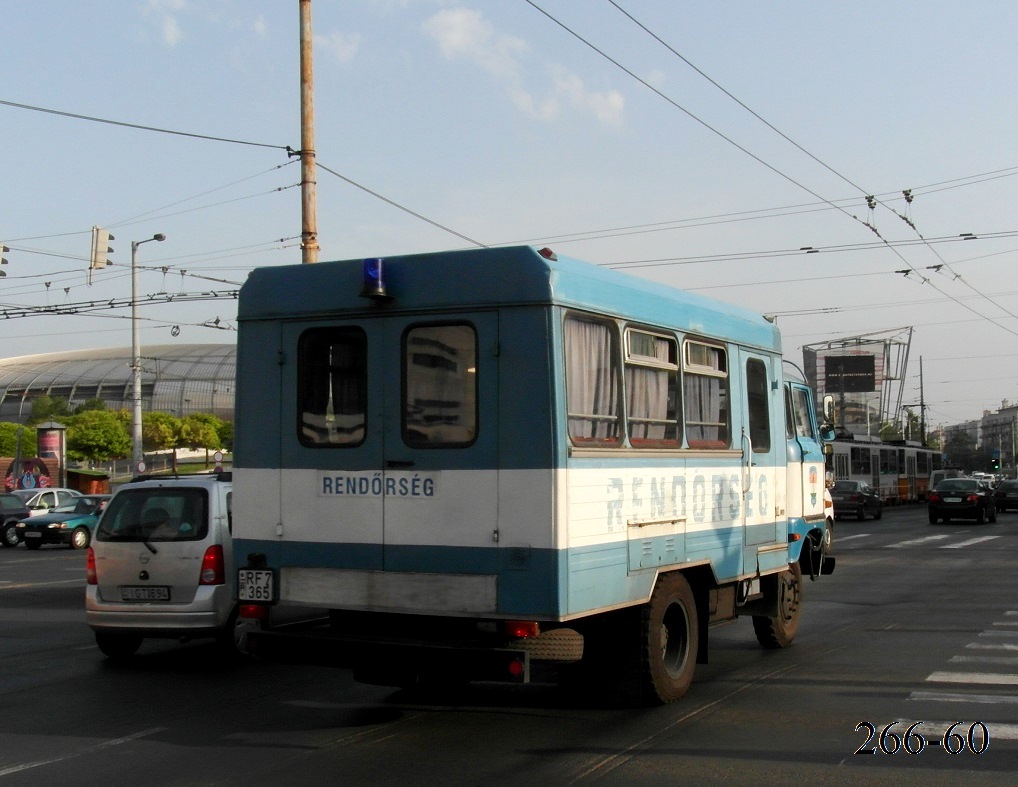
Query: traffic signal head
{"type": "Point", "coordinates": [100, 248]}
{"type": "Point", "coordinates": [3, 260]}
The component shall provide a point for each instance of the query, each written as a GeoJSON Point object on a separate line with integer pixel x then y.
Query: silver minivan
{"type": "Point", "coordinates": [160, 564]}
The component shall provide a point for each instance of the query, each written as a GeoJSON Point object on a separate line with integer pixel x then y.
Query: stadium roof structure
{"type": "Point", "coordinates": [176, 378]}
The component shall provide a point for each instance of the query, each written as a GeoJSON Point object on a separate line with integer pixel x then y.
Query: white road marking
{"type": "Point", "coordinates": [1001, 661]}
{"type": "Point", "coordinates": [991, 646]}
{"type": "Point", "coordinates": [919, 541]}
{"type": "Point", "coordinates": [841, 538]}
{"type": "Point", "coordinates": [969, 543]}
{"type": "Point", "coordinates": [85, 750]}
{"type": "Point", "coordinates": [986, 678]}
{"type": "Point", "coordinates": [975, 699]}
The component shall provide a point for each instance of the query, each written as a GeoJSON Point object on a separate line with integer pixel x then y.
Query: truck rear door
{"type": "Point", "coordinates": [394, 465]}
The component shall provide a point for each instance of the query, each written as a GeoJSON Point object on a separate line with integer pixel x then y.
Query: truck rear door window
{"type": "Point", "coordinates": [332, 387]}
{"type": "Point", "coordinates": [440, 386]}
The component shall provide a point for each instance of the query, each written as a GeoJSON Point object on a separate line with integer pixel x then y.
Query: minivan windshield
{"type": "Point", "coordinates": [155, 514]}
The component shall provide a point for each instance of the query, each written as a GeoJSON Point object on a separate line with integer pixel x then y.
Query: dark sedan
{"type": "Point", "coordinates": [962, 498]}
{"type": "Point", "coordinates": [856, 498]}
{"type": "Point", "coordinates": [71, 524]}
{"type": "Point", "coordinates": [1006, 495]}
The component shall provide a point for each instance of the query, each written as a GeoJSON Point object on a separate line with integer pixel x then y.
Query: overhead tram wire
{"type": "Point", "coordinates": [141, 127]}
{"type": "Point", "coordinates": [403, 208]}
{"type": "Point", "coordinates": [772, 168]}
{"type": "Point", "coordinates": [871, 199]}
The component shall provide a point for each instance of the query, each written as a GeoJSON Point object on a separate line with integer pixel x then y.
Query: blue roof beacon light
{"type": "Point", "coordinates": [374, 280]}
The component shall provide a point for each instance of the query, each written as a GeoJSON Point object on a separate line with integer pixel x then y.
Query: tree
{"type": "Point", "coordinates": [200, 430]}
{"type": "Point", "coordinates": [9, 440]}
{"type": "Point", "coordinates": [160, 430]}
{"type": "Point", "coordinates": [48, 408]}
{"type": "Point", "coordinates": [97, 435]}
{"type": "Point", "coordinates": [90, 404]}
{"type": "Point", "coordinates": [226, 435]}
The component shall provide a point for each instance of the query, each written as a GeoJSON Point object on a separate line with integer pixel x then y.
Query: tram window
{"type": "Point", "coordinates": [652, 373]}
{"type": "Point", "coordinates": [332, 387]}
{"type": "Point", "coordinates": [758, 405]}
{"type": "Point", "coordinates": [861, 461]}
{"type": "Point", "coordinates": [440, 386]}
{"type": "Point", "coordinates": [593, 389]}
{"type": "Point", "coordinates": [705, 395]}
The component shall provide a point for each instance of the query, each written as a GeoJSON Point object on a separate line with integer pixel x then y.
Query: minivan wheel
{"type": "Point", "coordinates": [117, 646]}
{"type": "Point", "coordinates": [232, 640]}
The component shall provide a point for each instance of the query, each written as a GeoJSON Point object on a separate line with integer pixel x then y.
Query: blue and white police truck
{"type": "Point", "coordinates": [476, 462]}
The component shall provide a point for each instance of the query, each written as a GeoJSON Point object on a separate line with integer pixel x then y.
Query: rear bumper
{"type": "Point", "coordinates": [391, 663]}
{"type": "Point", "coordinates": [153, 619]}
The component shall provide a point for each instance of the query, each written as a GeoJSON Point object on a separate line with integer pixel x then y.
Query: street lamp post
{"type": "Point", "coordinates": [136, 449]}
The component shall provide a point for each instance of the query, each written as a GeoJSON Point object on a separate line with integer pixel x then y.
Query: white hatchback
{"type": "Point", "coordinates": [160, 564]}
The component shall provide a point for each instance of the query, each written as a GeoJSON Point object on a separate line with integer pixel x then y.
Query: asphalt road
{"type": "Point", "coordinates": [918, 623]}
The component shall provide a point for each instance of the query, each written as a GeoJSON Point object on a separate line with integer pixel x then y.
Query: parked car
{"type": "Point", "coordinates": [856, 498]}
{"type": "Point", "coordinates": [1006, 495]}
{"type": "Point", "coordinates": [962, 498]}
{"type": "Point", "coordinates": [40, 501]}
{"type": "Point", "coordinates": [71, 523]}
{"type": "Point", "coordinates": [160, 564]}
{"type": "Point", "coordinates": [12, 509]}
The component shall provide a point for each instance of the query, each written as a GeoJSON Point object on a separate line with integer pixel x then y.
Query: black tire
{"type": "Point", "coordinates": [780, 630]}
{"type": "Point", "coordinates": [80, 538]}
{"type": "Point", "coordinates": [980, 516]}
{"type": "Point", "coordinates": [992, 515]}
{"type": "Point", "coordinates": [669, 637]}
{"type": "Point", "coordinates": [33, 544]}
{"type": "Point", "coordinates": [117, 647]}
{"type": "Point", "coordinates": [828, 546]}
{"type": "Point", "coordinates": [862, 514]}
{"type": "Point", "coordinates": [9, 535]}
{"type": "Point", "coordinates": [232, 640]}
{"type": "Point", "coordinates": [880, 512]}
{"type": "Point", "coordinates": [933, 518]}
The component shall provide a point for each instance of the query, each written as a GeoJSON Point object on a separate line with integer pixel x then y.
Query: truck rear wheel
{"type": "Point", "coordinates": [669, 638]}
{"type": "Point", "coordinates": [779, 631]}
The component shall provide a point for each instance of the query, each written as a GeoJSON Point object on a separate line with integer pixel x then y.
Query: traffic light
{"type": "Point", "coordinates": [995, 463]}
{"type": "Point", "coordinates": [3, 259]}
{"type": "Point", "coordinates": [100, 248]}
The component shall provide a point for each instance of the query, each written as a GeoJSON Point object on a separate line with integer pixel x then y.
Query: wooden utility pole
{"type": "Point", "coordinates": [308, 202]}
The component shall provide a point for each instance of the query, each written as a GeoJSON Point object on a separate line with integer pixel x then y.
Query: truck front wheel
{"type": "Point", "coordinates": [779, 631]}
{"type": "Point", "coordinates": [669, 638]}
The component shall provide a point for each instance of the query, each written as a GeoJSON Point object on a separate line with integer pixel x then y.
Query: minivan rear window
{"type": "Point", "coordinates": [155, 514]}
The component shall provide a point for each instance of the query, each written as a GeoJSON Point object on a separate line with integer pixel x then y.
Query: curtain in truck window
{"type": "Point", "coordinates": [705, 395]}
{"type": "Point", "coordinates": [592, 383]}
{"type": "Point", "coordinates": [332, 386]}
{"type": "Point", "coordinates": [651, 389]}
{"type": "Point", "coordinates": [440, 386]}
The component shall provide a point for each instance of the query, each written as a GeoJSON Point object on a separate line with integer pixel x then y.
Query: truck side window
{"type": "Point", "coordinates": [332, 386]}
{"type": "Point", "coordinates": [593, 386]}
{"type": "Point", "coordinates": [705, 395]}
{"type": "Point", "coordinates": [440, 386]}
{"type": "Point", "coordinates": [759, 405]}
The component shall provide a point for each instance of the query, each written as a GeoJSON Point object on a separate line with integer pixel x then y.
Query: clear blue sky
{"type": "Point", "coordinates": [498, 123]}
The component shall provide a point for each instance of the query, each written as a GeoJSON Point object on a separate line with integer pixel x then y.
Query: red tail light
{"type": "Point", "coordinates": [213, 567]}
{"type": "Point", "coordinates": [90, 576]}
{"type": "Point", "coordinates": [973, 498]}
{"type": "Point", "coordinates": [519, 629]}
{"type": "Point", "coordinates": [855, 499]}
{"type": "Point", "coordinates": [934, 497]}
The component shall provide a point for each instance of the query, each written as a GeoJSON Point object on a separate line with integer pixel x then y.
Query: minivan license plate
{"type": "Point", "coordinates": [254, 585]}
{"type": "Point", "coordinates": [145, 593]}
